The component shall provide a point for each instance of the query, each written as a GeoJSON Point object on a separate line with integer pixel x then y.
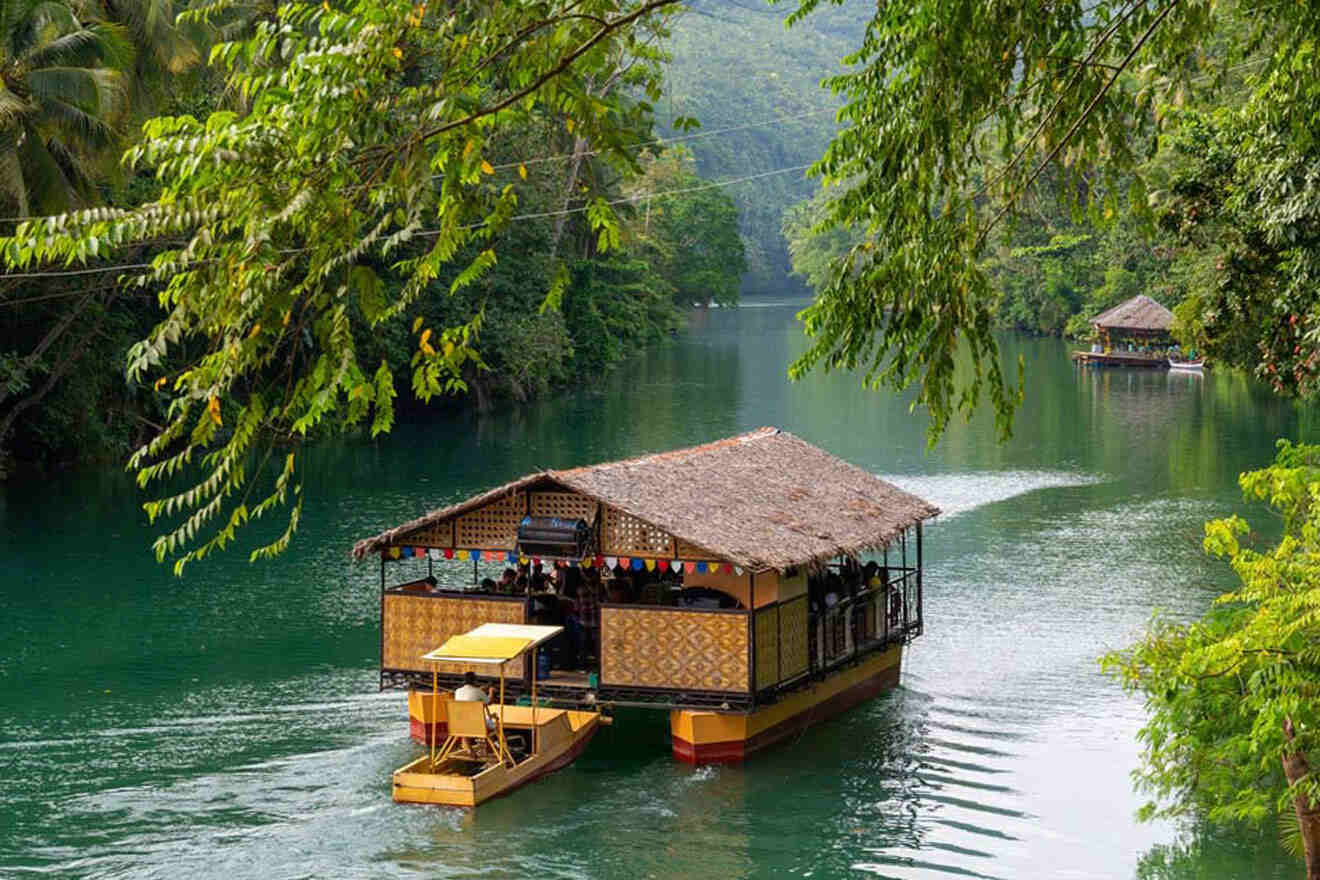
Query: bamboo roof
{"type": "Point", "coordinates": [765, 499]}
{"type": "Point", "coordinates": [1141, 314]}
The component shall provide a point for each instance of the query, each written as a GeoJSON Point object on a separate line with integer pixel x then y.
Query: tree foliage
{"type": "Point", "coordinates": [955, 112]}
{"type": "Point", "coordinates": [361, 175]}
{"type": "Point", "coordinates": [1234, 698]}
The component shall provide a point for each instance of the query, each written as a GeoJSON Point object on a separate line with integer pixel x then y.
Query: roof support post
{"type": "Point", "coordinates": [921, 621]}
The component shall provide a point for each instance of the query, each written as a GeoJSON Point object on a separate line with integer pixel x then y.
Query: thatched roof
{"type": "Point", "coordinates": [1140, 314]}
{"type": "Point", "coordinates": [765, 499]}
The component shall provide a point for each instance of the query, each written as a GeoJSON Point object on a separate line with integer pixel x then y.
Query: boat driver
{"type": "Point", "coordinates": [470, 692]}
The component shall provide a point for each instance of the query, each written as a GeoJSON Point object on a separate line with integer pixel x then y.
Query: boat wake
{"type": "Point", "coordinates": [956, 494]}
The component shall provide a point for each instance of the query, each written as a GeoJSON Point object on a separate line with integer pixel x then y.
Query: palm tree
{"type": "Point", "coordinates": [63, 98]}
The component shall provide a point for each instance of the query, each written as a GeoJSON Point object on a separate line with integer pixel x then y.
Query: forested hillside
{"type": "Point", "coordinates": [558, 206]}
{"type": "Point", "coordinates": [733, 63]}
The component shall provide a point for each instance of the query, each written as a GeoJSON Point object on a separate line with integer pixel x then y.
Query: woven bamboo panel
{"type": "Point", "coordinates": [565, 505]}
{"type": "Point", "coordinates": [792, 638]}
{"type": "Point", "coordinates": [674, 649]}
{"type": "Point", "coordinates": [692, 551]}
{"type": "Point", "coordinates": [414, 625]}
{"type": "Point", "coordinates": [626, 535]}
{"type": "Point", "coordinates": [436, 535]}
{"type": "Point", "coordinates": [767, 647]}
{"type": "Point", "coordinates": [493, 527]}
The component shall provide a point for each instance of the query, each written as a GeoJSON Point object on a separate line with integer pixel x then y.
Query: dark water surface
{"type": "Point", "coordinates": [228, 724]}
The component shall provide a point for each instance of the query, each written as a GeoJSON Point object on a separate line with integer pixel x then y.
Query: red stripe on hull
{"type": "Point", "coordinates": [417, 729]}
{"type": "Point", "coordinates": [738, 750]}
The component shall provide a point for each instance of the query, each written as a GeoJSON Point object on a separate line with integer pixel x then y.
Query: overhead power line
{"type": "Point", "coordinates": [637, 198]}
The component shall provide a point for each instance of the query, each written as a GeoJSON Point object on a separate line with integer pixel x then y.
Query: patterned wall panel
{"type": "Point", "coordinates": [493, 527]}
{"type": "Point", "coordinates": [645, 647]}
{"type": "Point", "coordinates": [565, 505]}
{"type": "Point", "coordinates": [626, 535]}
{"type": "Point", "coordinates": [436, 535]}
{"type": "Point", "coordinates": [692, 551]}
{"type": "Point", "coordinates": [793, 638]}
{"type": "Point", "coordinates": [414, 625]}
{"type": "Point", "coordinates": [767, 647]}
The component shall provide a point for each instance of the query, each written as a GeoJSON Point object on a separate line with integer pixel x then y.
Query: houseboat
{"type": "Point", "coordinates": [1134, 333]}
{"type": "Point", "coordinates": [747, 587]}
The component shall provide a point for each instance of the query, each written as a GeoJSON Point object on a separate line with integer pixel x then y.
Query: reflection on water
{"type": "Point", "coordinates": [228, 724]}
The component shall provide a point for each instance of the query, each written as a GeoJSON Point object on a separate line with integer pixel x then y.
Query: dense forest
{"type": "Point", "coordinates": [80, 81]}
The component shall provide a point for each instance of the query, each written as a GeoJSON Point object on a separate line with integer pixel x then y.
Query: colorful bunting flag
{"type": "Point", "coordinates": [588, 562]}
{"type": "Point", "coordinates": [511, 557]}
{"type": "Point", "coordinates": [663, 564]}
{"type": "Point", "coordinates": [737, 569]}
{"type": "Point", "coordinates": [691, 567]}
{"type": "Point", "coordinates": [395, 553]}
{"type": "Point", "coordinates": [625, 562]}
{"type": "Point", "coordinates": [677, 566]}
{"type": "Point", "coordinates": [449, 553]}
{"type": "Point", "coordinates": [523, 560]}
{"type": "Point", "coordinates": [636, 564]}
{"type": "Point", "coordinates": [600, 561]}
{"type": "Point", "coordinates": [728, 568]}
{"type": "Point", "coordinates": [701, 568]}
{"type": "Point", "coordinates": [611, 561]}
{"type": "Point", "coordinates": [650, 564]}
{"type": "Point", "coordinates": [419, 552]}
{"type": "Point", "coordinates": [435, 553]}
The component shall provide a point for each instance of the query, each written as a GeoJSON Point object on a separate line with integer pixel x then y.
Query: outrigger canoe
{"type": "Point", "coordinates": [481, 759]}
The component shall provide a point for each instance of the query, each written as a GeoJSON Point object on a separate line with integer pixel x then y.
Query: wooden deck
{"type": "Point", "coordinates": [1148, 360]}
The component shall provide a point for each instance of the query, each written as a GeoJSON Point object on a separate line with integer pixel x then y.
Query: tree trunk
{"type": "Point", "coordinates": [1295, 768]}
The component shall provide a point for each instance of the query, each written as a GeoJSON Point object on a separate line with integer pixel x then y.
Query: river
{"type": "Point", "coordinates": [228, 724]}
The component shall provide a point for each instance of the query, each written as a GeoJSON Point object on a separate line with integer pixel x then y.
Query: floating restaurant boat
{"type": "Point", "coordinates": [1142, 324]}
{"type": "Point", "coordinates": [756, 585]}
{"type": "Point", "coordinates": [490, 751]}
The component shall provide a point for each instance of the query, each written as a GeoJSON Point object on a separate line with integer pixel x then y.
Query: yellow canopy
{"type": "Point", "coordinates": [471, 648]}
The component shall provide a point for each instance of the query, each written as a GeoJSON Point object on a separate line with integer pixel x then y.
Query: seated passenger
{"type": "Point", "coordinates": [487, 585]}
{"type": "Point", "coordinates": [507, 580]}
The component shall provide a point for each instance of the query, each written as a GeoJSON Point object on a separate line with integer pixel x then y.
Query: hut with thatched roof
{"type": "Point", "coordinates": [1140, 317]}
{"type": "Point", "coordinates": [727, 575]}
{"type": "Point", "coordinates": [1133, 333]}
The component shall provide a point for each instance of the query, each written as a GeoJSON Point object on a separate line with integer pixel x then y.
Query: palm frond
{"type": "Point", "coordinates": [41, 23]}
{"type": "Point", "coordinates": [49, 190]}
{"type": "Point", "coordinates": [80, 48]}
{"type": "Point", "coordinates": [80, 130]}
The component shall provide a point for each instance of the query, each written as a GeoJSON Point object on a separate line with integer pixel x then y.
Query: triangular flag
{"type": "Point", "coordinates": [650, 565]}
{"type": "Point", "coordinates": [663, 564]}
{"type": "Point", "coordinates": [435, 553]}
{"type": "Point", "coordinates": [600, 561]}
{"type": "Point", "coordinates": [588, 562]}
{"type": "Point", "coordinates": [701, 568]}
{"type": "Point", "coordinates": [510, 556]}
{"type": "Point", "coordinates": [728, 568]}
{"type": "Point", "coordinates": [625, 562]}
{"type": "Point", "coordinates": [395, 552]}
{"type": "Point", "coordinates": [737, 569]}
{"type": "Point", "coordinates": [449, 553]}
{"type": "Point", "coordinates": [523, 560]}
{"type": "Point", "coordinates": [677, 566]}
{"type": "Point", "coordinates": [691, 567]}
{"type": "Point", "coordinates": [405, 552]}
{"type": "Point", "coordinates": [611, 561]}
{"type": "Point", "coordinates": [636, 564]}
{"type": "Point", "coordinates": [419, 552]}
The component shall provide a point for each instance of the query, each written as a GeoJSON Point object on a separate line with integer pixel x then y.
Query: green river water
{"type": "Point", "coordinates": [228, 724]}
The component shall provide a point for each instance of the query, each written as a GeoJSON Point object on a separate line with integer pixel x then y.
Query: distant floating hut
{"type": "Point", "coordinates": [1134, 333]}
